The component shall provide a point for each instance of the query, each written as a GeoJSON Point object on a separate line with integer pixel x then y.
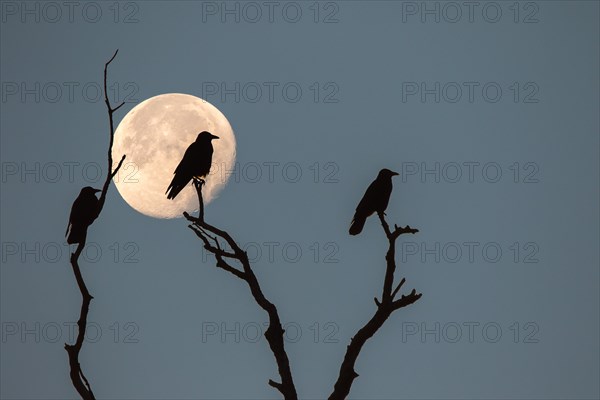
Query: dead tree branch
{"type": "Point", "coordinates": [80, 382]}
{"type": "Point", "coordinates": [385, 308]}
{"type": "Point", "coordinates": [274, 333]}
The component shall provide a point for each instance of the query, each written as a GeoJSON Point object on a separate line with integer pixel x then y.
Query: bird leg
{"type": "Point", "coordinates": [198, 183]}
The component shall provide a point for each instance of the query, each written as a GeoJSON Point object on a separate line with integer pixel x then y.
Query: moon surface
{"type": "Point", "coordinates": [154, 135]}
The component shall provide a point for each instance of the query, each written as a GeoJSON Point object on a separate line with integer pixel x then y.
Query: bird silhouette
{"type": "Point", "coordinates": [195, 163]}
{"type": "Point", "coordinates": [376, 199]}
{"type": "Point", "coordinates": [83, 213]}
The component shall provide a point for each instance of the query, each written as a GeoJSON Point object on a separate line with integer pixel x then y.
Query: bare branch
{"type": "Point", "coordinates": [79, 380]}
{"type": "Point", "coordinates": [110, 110]}
{"type": "Point", "coordinates": [397, 230]}
{"type": "Point", "coordinates": [385, 308]}
{"type": "Point", "coordinates": [112, 174]}
{"type": "Point", "coordinates": [215, 250]}
{"type": "Point", "coordinates": [109, 61]}
{"type": "Point", "coordinates": [117, 107]}
{"type": "Point", "coordinates": [276, 385]}
{"type": "Point", "coordinates": [406, 300]}
{"type": "Point", "coordinates": [400, 231]}
{"type": "Point", "coordinates": [274, 333]}
{"type": "Point", "coordinates": [219, 254]}
{"type": "Point", "coordinates": [80, 383]}
{"type": "Point", "coordinates": [221, 263]}
{"type": "Point", "coordinates": [395, 292]}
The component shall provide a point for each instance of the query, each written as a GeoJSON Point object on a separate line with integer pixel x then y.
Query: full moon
{"type": "Point", "coordinates": [154, 135]}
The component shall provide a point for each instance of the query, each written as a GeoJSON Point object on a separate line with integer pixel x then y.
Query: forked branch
{"type": "Point", "coordinates": [385, 308]}
{"type": "Point", "coordinates": [274, 333]}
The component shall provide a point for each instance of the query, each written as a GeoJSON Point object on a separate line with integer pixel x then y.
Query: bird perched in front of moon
{"type": "Point", "coordinates": [155, 136]}
{"type": "Point", "coordinates": [195, 164]}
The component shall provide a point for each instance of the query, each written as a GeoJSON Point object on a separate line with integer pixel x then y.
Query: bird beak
{"type": "Point", "coordinates": [395, 173]}
{"type": "Point", "coordinates": [97, 190]}
{"type": "Point", "coordinates": [214, 137]}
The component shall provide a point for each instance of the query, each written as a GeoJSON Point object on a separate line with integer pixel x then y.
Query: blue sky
{"type": "Point", "coordinates": [490, 115]}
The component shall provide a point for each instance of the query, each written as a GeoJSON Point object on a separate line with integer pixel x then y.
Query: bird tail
{"type": "Point", "coordinates": [173, 190]}
{"type": "Point", "coordinates": [358, 222]}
